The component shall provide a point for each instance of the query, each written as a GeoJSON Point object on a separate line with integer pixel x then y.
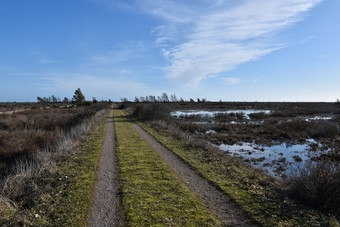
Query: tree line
{"type": "Point", "coordinates": [78, 99]}
{"type": "Point", "coordinates": [162, 98]}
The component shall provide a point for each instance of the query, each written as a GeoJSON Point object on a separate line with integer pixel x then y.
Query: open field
{"type": "Point", "coordinates": [313, 180]}
{"type": "Point", "coordinates": [24, 133]}
{"type": "Point", "coordinates": [48, 178]}
{"type": "Point", "coordinates": [39, 181]}
{"type": "Point", "coordinates": [271, 136]}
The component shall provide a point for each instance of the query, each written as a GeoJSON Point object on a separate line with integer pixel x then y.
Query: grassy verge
{"type": "Point", "coordinates": [152, 194]}
{"type": "Point", "coordinates": [67, 193]}
{"type": "Point", "coordinates": [260, 196]}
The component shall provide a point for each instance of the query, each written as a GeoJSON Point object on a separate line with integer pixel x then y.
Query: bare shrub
{"type": "Point", "coordinates": [317, 184]}
{"type": "Point", "coordinates": [151, 111]}
{"type": "Point", "coordinates": [326, 129]}
{"type": "Point", "coordinates": [23, 133]}
{"type": "Point", "coordinates": [258, 116]}
{"type": "Point", "coordinates": [22, 182]}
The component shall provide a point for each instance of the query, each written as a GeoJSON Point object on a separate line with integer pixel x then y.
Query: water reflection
{"type": "Point", "coordinates": [213, 113]}
{"type": "Point", "coordinates": [274, 159]}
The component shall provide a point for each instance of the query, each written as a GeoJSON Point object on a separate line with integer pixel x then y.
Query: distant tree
{"type": "Point", "coordinates": [198, 100]}
{"type": "Point", "coordinates": [66, 100]}
{"type": "Point", "coordinates": [41, 99]}
{"type": "Point", "coordinates": [54, 99]}
{"type": "Point", "coordinates": [152, 98]}
{"type": "Point", "coordinates": [78, 97]}
{"type": "Point", "coordinates": [136, 99]}
{"type": "Point", "coordinates": [191, 100]}
{"type": "Point", "coordinates": [204, 100]}
{"type": "Point", "coordinates": [94, 100]}
{"type": "Point", "coordinates": [173, 98]}
{"type": "Point", "coordinates": [181, 99]}
{"type": "Point", "coordinates": [142, 99]}
{"type": "Point", "coordinates": [165, 97]}
{"type": "Point", "coordinates": [124, 100]}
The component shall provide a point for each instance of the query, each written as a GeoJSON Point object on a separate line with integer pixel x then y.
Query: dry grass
{"type": "Point", "coordinates": [317, 184]}
{"type": "Point", "coordinates": [22, 177]}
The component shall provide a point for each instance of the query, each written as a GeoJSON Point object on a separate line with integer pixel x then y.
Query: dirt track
{"type": "Point", "coordinates": [106, 209]}
{"type": "Point", "coordinates": [215, 200]}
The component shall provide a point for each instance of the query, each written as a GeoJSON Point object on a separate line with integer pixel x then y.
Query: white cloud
{"type": "Point", "coordinates": [231, 80]}
{"type": "Point", "coordinates": [201, 38]}
{"type": "Point", "coordinates": [42, 57]}
{"type": "Point", "coordinates": [216, 36]}
{"type": "Point", "coordinates": [122, 52]}
{"type": "Point", "coordinates": [123, 71]}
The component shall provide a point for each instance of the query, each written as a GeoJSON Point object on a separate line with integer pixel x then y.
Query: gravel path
{"type": "Point", "coordinates": [215, 200]}
{"type": "Point", "coordinates": [106, 209]}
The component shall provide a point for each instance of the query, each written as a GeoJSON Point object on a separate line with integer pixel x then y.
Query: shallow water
{"type": "Point", "coordinates": [213, 113]}
{"type": "Point", "coordinates": [317, 118]}
{"type": "Point", "coordinates": [270, 158]}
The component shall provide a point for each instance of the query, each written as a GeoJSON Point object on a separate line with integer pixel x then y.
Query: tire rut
{"type": "Point", "coordinates": [106, 208]}
{"type": "Point", "coordinates": [218, 202]}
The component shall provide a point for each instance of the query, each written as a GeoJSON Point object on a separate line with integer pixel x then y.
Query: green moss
{"type": "Point", "coordinates": [262, 197]}
{"type": "Point", "coordinates": [152, 194]}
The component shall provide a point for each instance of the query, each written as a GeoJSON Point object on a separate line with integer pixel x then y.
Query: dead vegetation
{"type": "Point", "coordinates": [31, 142]}
{"type": "Point", "coordinates": [316, 185]}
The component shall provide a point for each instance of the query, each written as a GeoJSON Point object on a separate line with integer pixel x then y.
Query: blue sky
{"type": "Point", "coordinates": [246, 50]}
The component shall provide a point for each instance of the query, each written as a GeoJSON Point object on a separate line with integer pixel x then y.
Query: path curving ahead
{"type": "Point", "coordinates": [106, 209]}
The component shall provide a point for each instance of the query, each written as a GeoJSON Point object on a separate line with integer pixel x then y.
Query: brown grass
{"type": "Point", "coordinates": [22, 180]}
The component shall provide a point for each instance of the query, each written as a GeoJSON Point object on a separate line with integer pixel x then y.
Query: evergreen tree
{"type": "Point", "coordinates": [78, 97]}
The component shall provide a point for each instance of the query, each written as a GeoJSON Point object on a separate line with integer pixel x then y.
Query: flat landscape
{"type": "Point", "coordinates": [170, 113]}
{"type": "Point", "coordinates": [170, 164]}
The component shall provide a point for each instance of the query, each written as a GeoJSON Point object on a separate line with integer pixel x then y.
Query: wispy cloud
{"type": "Point", "coordinates": [112, 5]}
{"type": "Point", "coordinates": [120, 53]}
{"type": "Point", "coordinates": [231, 80]}
{"type": "Point", "coordinates": [201, 38]}
{"type": "Point", "coordinates": [42, 57]}
{"type": "Point", "coordinates": [216, 36]}
{"type": "Point", "coordinates": [123, 71]}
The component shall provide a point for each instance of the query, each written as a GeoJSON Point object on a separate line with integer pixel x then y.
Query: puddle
{"type": "Point", "coordinates": [210, 131]}
{"type": "Point", "coordinates": [213, 113]}
{"type": "Point", "coordinates": [270, 158]}
{"type": "Point", "coordinates": [317, 118]}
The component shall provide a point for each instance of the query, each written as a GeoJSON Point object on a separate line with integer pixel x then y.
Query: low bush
{"type": "Point", "coordinates": [151, 111]}
{"type": "Point", "coordinates": [24, 133]}
{"type": "Point", "coordinates": [317, 184]}
{"type": "Point", "coordinates": [326, 129]}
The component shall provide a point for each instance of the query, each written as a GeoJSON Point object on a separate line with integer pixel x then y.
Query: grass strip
{"type": "Point", "coordinates": [260, 196]}
{"type": "Point", "coordinates": [68, 192]}
{"type": "Point", "coordinates": [152, 194]}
